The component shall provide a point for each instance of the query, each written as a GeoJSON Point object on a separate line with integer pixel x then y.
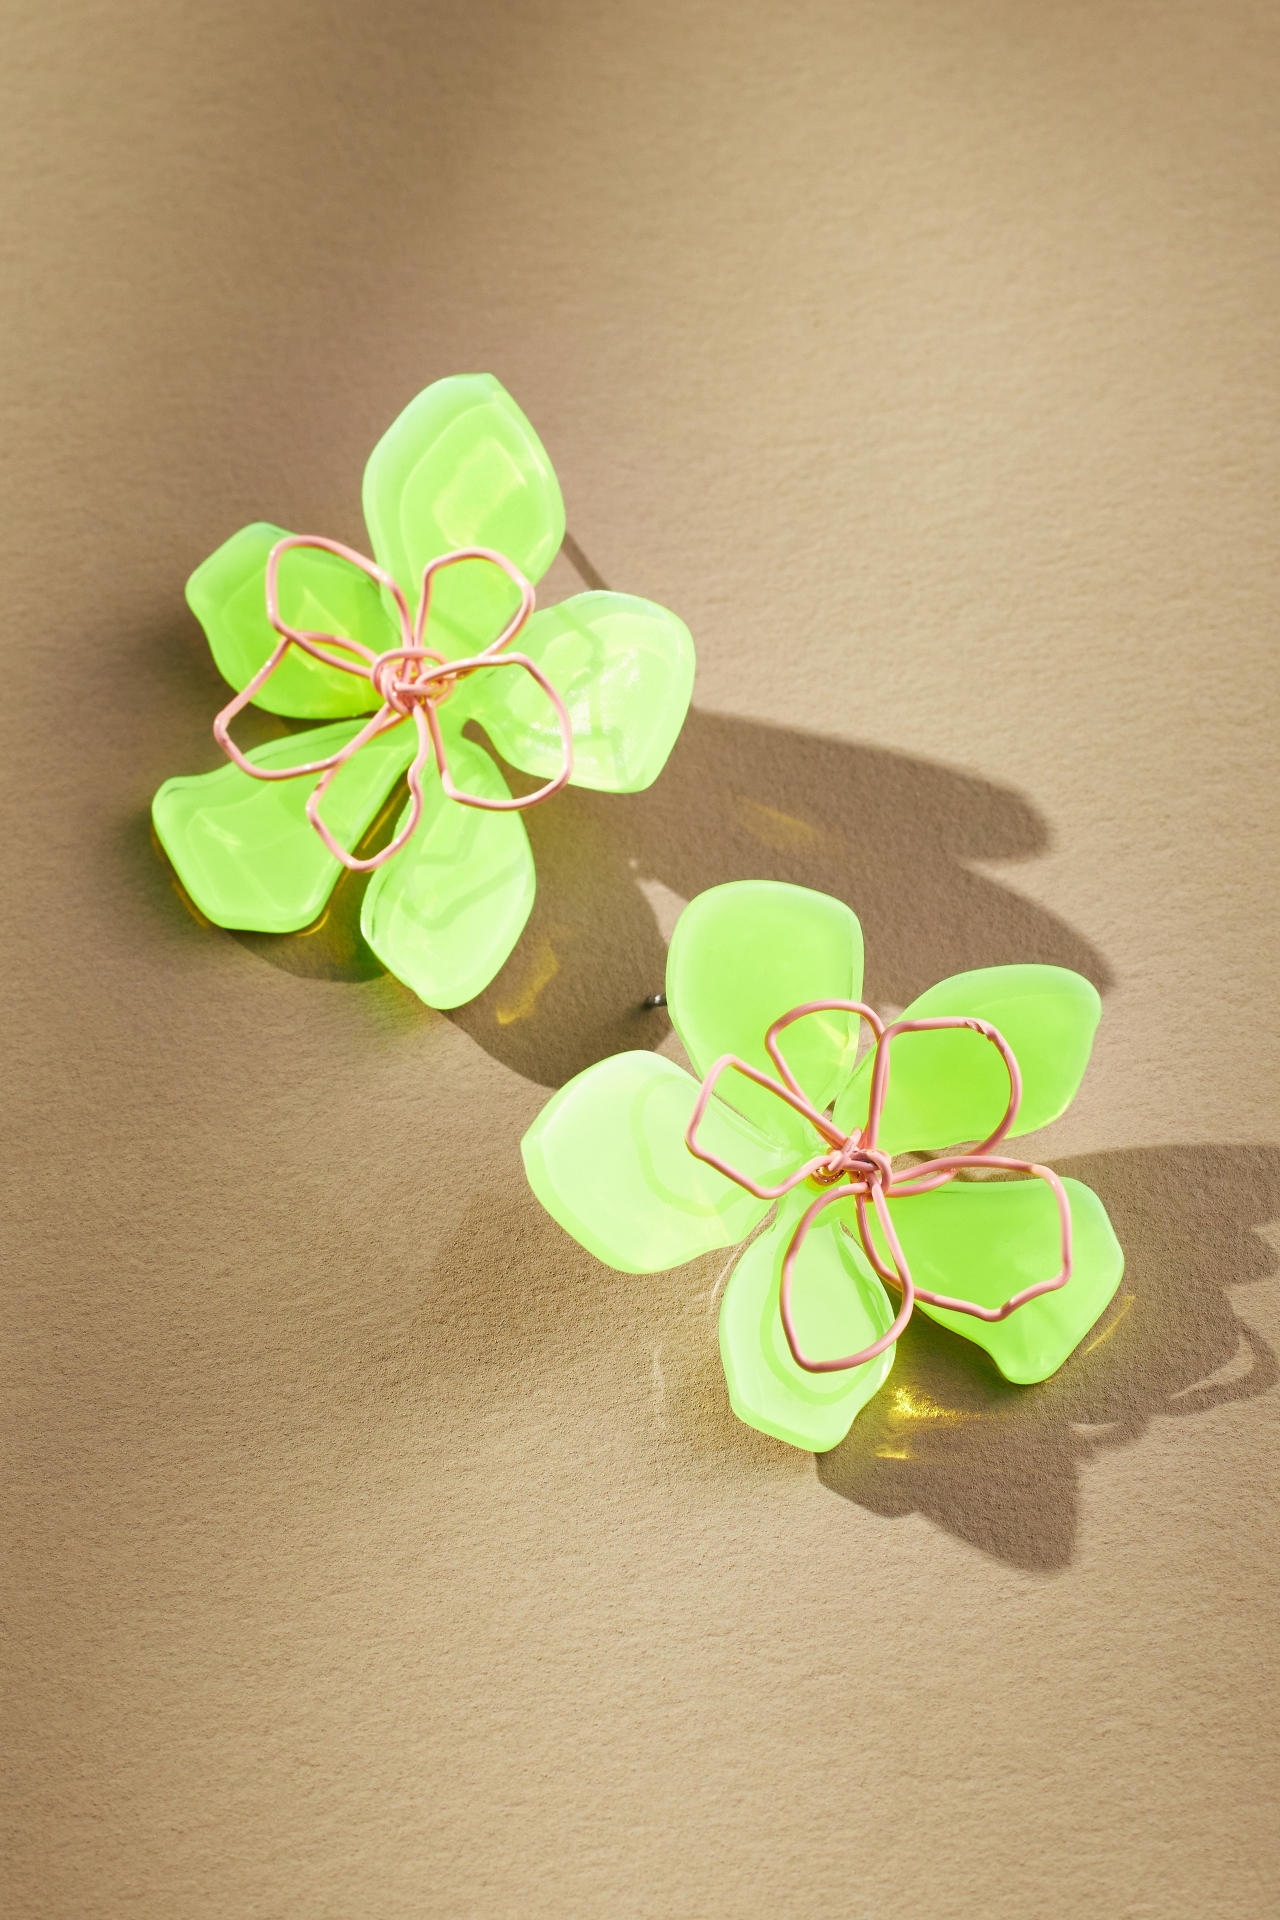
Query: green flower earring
{"type": "Point", "coordinates": [647, 1169]}
{"type": "Point", "coordinates": [465, 514]}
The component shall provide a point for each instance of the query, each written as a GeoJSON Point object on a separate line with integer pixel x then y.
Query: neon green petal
{"type": "Point", "coordinates": [462, 467]}
{"type": "Point", "coordinates": [624, 669]}
{"type": "Point", "coordinates": [318, 591]}
{"type": "Point", "coordinates": [839, 1306]}
{"type": "Point", "coordinates": [746, 952]}
{"type": "Point", "coordinates": [607, 1158]}
{"type": "Point", "coordinates": [445, 912]}
{"type": "Point", "coordinates": [244, 848]}
{"type": "Point", "coordinates": [984, 1240]}
{"type": "Point", "coordinates": [952, 1086]}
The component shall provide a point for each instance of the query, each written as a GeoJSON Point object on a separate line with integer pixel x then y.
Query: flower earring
{"type": "Point", "coordinates": [465, 514]}
{"type": "Point", "coordinates": [647, 1169]}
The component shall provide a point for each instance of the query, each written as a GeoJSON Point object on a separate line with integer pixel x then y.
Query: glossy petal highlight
{"type": "Point", "coordinates": [624, 669]}
{"type": "Point", "coordinates": [741, 955]}
{"type": "Point", "coordinates": [319, 592]}
{"type": "Point", "coordinates": [984, 1240]}
{"type": "Point", "coordinates": [245, 850]}
{"type": "Point", "coordinates": [607, 1158]}
{"type": "Point", "coordinates": [446, 912]}
{"type": "Point", "coordinates": [462, 467]}
{"type": "Point", "coordinates": [952, 1086]}
{"type": "Point", "coordinates": [839, 1306]}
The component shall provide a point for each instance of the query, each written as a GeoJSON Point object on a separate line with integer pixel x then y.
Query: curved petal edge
{"type": "Point", "coordinates": [624, 668]}
{"type": "Point", "coordinates": [984, 1240]}
{"type": "Point", "coordinates": [840, 1307]}
{"type": "Point", "coordinates": [746, 952]}
{"type": "Point", "coordinates": [445, 913]}
{"type": "Point", "coordinates": [319, 592]}
{"type": "Point", "coordinates": [952, 1085]}
{"type": "Point", "coordinates": [608, 1160]}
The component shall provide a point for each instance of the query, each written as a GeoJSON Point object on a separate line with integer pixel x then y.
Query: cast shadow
{"type": "Point", "coordinates": [178, 663]}
{"type": "Point", "coordinates": [998, 1465]}
{"type": "Point", "coordinates": [741, 800]}
{"type": "Point", "coordinates": [738, 800]}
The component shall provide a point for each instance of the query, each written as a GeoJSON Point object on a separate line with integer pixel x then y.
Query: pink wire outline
{"type": "Point", "coordinates": [856, 1168]}
{"type": "Point", "coordinates": [415, 695]}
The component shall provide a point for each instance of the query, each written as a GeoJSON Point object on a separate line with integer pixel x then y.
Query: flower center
{"type": "Point", "coordinates": [855, 1164]}
{"type": "Point", "coordinates": [407, 680]}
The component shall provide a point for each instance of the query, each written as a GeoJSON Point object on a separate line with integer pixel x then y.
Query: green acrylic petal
{"type": "Point", "coordinates": [952, 1086]}
{"type": "Point", "coordinates": [318, 591]}
{"type": "Point", "coordinates": [746, 952]}
{"type": "Point", "coordinates": [839, 1307]}
{"type": "Point", "coordinates": [462, 467]}
{"type": "Point", "coordinates": [244, 848]}
{"type": "Point", "coordinates": [445, 912]}
{"type": "Point", "coordinates": [608, 1160]}
{"type": "Point", "coordinates": [984, 1240]}
{"type": "Point", "coordinates": [624, 669]}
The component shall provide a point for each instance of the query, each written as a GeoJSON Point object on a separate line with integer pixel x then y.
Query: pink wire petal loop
{"type": "Point", "coordinates": [411, 680]}
{"type": "Point", "coordinates": [388, 852]}
{"type": "Point", "coordinates": [794, 1100]}
{"type": "Point", "coordinates": [887, 1339]}
{"type": "Point", "coordinates": [523, 587]}
{"type": "Point", "coordinates": [880, 1070]}
{"type": "Point", "coordinates": [521, 801]}
{"type": "Point", "coordinates": [857, 1169]}
{"type": "Point", "coordinates": [312, 642]}
{"type": "Point", "coordinates": [773, 1049]}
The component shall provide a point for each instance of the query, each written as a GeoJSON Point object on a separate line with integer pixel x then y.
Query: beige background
{"type": "Point", "coordinates": [380, 1556]}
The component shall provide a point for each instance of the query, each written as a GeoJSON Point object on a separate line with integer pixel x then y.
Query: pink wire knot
{"type": "Point", "coordinates": [412, 681]}
{"type": "Point", "coordinates": [854, 1167]}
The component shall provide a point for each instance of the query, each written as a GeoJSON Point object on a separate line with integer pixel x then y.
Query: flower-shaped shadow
{"type": "Point", "coordinates": [648, 1171]}
{"type": "Point", "coordinates": [1000, 1466]}
{"type": "Point", "coordinates": [745, 800]}
{"type": "Point", "coordinates": [464, 512]}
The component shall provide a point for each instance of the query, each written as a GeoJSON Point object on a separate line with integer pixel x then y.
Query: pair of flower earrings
{"type": "Point", "coordinates": [644, 1165]}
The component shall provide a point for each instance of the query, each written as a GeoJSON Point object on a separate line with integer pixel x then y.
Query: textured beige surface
{"type": "Point", "coordinates": [378, 1559]}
